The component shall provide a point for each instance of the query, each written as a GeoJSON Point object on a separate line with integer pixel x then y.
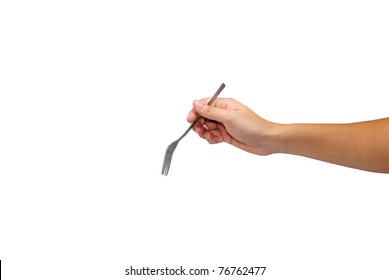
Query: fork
{"type": "Point", "coordinates": [170, 149]}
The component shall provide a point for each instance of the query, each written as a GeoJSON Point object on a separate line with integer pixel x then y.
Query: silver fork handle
{"type": "Point", "coordinates": [209, 102]}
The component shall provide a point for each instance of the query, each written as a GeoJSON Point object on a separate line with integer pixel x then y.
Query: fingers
{"type": "Point", "coordinates": [213, 112]}
{"type": "Point", "coordinates": [208, 131]}
{"type": "Point", "coordinates": [211, 127]}
{"type": "Point", "coordinates": [222, 103]}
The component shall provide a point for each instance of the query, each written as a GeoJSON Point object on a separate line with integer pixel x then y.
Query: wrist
{"type": "Point", "coordinates": [268, 139]}
{"type": "Point", "coordinates": [275, 138]}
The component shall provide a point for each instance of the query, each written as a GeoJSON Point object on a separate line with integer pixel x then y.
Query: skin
{"type": "Point", "coordinates": [362, 145]}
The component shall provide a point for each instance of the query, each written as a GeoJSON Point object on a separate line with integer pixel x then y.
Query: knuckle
{"type": "Point", "coordinates": [209, 109]}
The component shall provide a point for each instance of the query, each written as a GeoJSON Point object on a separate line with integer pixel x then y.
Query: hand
{"type": "Point", "coordinates": [362, 145]}
{"type": "Point", "coordinates": [229, 121]}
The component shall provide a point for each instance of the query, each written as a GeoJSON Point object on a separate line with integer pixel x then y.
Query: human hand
{"type": "Point", "coordinates": [361, 145]}
{"type": "Point", "coordinates": [229, 121]}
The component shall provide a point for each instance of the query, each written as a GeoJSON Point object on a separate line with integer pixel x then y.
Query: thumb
{"type": "Point", "coordinates": [210, 112]}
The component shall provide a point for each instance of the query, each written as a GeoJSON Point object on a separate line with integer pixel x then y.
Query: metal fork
{"type": "Point", "coordinates": [170, 150]}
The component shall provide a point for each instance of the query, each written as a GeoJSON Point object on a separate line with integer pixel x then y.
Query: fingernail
{"type": "Point", "coordinates": [198, 103]}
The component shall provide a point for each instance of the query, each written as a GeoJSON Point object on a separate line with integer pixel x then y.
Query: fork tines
{"type": "Point", "coordinates": [167, 160]}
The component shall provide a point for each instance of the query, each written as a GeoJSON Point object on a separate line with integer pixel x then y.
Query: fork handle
{"type": "Point", "coordinates": [209, 102]}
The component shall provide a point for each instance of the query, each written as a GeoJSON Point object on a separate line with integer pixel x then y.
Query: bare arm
{"type": "Point", "coordinates": [362, 145]}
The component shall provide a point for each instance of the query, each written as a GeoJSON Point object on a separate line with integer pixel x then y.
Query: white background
{"type": "Point", "coordinates": [92, 92]}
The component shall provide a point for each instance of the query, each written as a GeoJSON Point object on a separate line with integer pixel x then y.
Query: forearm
{"type": "Point", "coordinates": [363, 145]}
